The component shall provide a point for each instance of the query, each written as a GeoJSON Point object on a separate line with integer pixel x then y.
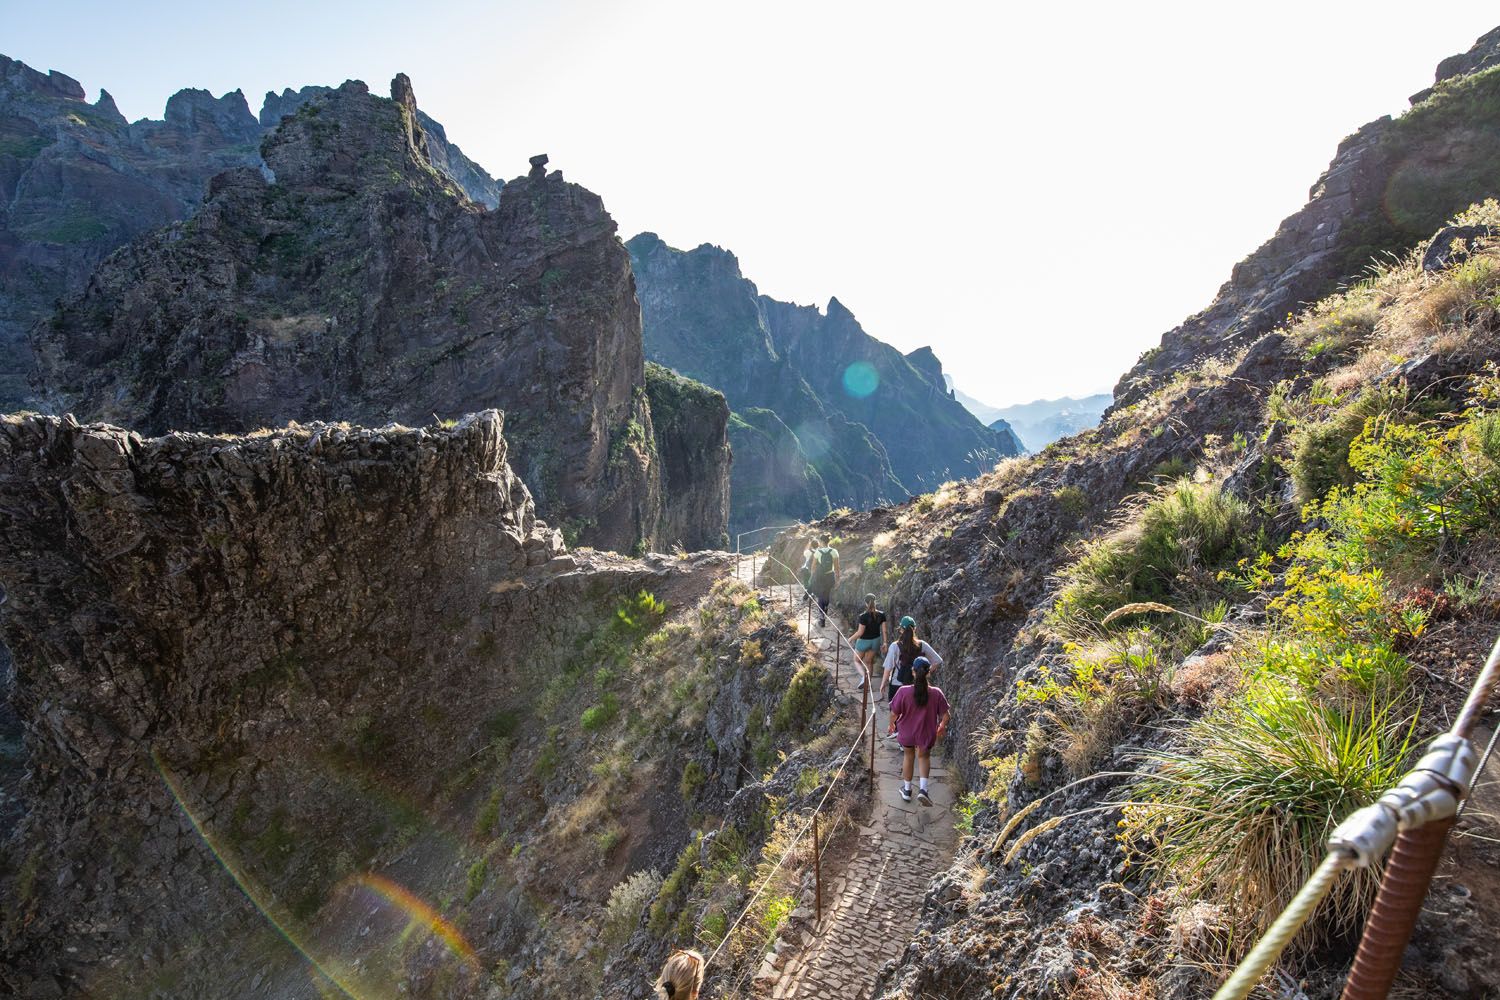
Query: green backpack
{"type": "Point", "coordinates": [822, 565]}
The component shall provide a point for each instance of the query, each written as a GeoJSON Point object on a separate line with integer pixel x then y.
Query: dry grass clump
{"type": "Point", "coordinates": [1401, 312]}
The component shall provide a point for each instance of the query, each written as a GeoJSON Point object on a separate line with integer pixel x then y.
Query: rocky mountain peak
{"type": "Point", "coordinates": [17, 76]}
{"type": "Point", "coordinates": [195, 110]}
{"type": "Point", "coordinates": [406, 100]}
{"type": "Point", "coordinates": [106, 107]}
{"type": "Point", "coordinates": [925, 361]}
{"type": "Point", "coordinates": [1484, 53]}
{"type": "Point", "coordinates": [277, 106]}
{"type": "Point", "coordinates": [1390, 186]}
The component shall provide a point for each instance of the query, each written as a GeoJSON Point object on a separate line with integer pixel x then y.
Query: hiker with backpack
{"type": "Point", "coordinates": [872, 634]}
{"type": "Point", "coordinates": [825, 576]}
{"type": "Point", "coordinates": [919, 718]}
{"type": "Point", "coordinates": [901, 658]}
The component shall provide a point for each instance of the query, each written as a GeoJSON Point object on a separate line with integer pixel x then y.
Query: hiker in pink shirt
{"type": "Point", "coordinates": [919, 718]}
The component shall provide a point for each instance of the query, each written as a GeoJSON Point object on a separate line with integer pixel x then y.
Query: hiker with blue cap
{"type": "Point", "coordinates": [902, 656]}
{"type": "Point", "coordinates": [919, 718]}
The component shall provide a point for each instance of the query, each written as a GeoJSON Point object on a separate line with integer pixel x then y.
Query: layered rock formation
{"type": "Point", "coordinates": [357, 285]}
{"type": "Point", "coordinates": [1390, 185]}
{"type": "Point", "coordinates": [77, 182]}
{"type": "Point", "coordinates": [868, 424]}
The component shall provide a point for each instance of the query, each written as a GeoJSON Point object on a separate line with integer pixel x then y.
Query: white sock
{"type": "Point", "coordinates": [924, 784]}
{"type": "Point", "coordinates": [906, 785]}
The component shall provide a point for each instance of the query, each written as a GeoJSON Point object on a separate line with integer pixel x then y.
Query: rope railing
{"type": "Point", "coordinates": [1411, 822]}
{"type": "Point", "coordinates": [808, 824]}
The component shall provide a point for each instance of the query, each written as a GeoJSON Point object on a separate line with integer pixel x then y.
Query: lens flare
{"type": "Point", "coordinates": [418, 912]}
{"type": "Point", "coordinates": [262, 900]}
{"type": "Point", "coordinates": [338, 975]}
{"type": "Point", "coordinates": [861, 379]}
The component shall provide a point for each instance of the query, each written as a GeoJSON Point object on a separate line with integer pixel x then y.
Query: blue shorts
{"type": "Point", "coordinates": [865, 645]}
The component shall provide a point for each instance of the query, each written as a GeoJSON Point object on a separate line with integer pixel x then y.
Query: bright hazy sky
{"type": "Point", "coordinates": [1036, 193]}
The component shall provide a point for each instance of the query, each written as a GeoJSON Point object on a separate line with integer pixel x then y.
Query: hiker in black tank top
{"type": "Point", "coordinates": [871, 636]}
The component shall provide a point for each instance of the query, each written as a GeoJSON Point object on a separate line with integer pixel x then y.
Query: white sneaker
{"type": "Point", "coordinates": [905, 794]}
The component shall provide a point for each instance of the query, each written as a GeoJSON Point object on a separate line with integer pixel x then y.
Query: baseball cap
{"type": "Point", "coordinates": [908, 622]}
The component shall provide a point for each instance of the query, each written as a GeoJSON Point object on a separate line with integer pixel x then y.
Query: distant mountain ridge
{"type": "Point", "coordinates": [1041, 421]}
{"type": "Point", "coordinates": [824, 414]}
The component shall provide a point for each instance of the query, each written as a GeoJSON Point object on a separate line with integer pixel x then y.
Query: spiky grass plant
{"type": "Point", "coordinates": [1239, 810]}
{"type": "Point", "coordinates": [1171, 551]}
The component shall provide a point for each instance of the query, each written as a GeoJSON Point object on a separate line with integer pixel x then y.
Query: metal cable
{"type": "Point", "coordinates": [1280, 934]}
{"type": "Point", "coordinates": [856, 744]}
{"type": "Point", "coordinates": [1479, 772]}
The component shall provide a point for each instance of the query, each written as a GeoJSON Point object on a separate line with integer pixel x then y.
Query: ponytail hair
{"type": "Point", "coordinates": [910, 645]}
{"type": "Point", "coordinates": [919, 689]}
{"type": "Point", "coordinates": [682, 977]}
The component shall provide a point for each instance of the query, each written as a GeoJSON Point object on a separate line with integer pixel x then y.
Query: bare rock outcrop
{"type": "Point", "coordinates": [1390, 185]}
{"type": "Point", "coordinates": [77, 181]}
{"type": "Point", "coordinates": [356, 286]}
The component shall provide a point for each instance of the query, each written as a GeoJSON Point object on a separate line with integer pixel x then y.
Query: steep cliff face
{"type": "Point", "coordinates": [358, 285]}
{"type": "Point", "coordinates": [690, 425]}
{"type": "Point", "coordinates": [77, 182]}
{"type": "Point", "coordinates": [774, 482]}
{"type": "Point", "coordinates": [1390, 185]}
{"type": "Point", "coordinates": [327, 708]}
{"type": "Point", "coordinates": [872, 423]}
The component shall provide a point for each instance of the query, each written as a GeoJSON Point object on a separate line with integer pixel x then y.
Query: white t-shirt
{"type": "Point", "coordinates": [893, 656]}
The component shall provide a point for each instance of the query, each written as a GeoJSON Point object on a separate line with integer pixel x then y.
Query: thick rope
{"type": "Point", "coordinates": [1274, 941]}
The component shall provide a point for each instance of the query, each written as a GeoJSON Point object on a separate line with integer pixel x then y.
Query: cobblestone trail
{"type": "Point", "coordinates": [871, 906]}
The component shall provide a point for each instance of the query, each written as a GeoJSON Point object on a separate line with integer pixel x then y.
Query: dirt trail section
{"type": "Point", "coordinates": [872, 898]}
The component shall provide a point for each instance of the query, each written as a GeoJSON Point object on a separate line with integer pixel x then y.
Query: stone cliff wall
{"type": "Point", "coordinates": [690, 429]}
{"type": "Point", "coordinates": [276, 650]}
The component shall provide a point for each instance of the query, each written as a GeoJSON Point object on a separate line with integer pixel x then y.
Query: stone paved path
{"type": "Point", "coordinates": [870, 908]}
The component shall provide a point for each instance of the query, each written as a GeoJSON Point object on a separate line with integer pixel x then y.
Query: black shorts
{"type": "Point", "coordinates": [890, 691]}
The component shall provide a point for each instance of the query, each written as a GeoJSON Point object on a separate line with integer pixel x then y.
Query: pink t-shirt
{"type": "Point", "coordinates": [917, 725]}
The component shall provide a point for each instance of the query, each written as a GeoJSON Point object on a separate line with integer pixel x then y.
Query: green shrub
{"type": "Point", "coordinates": [714, 926]}
{"type": "Point", "coordinates": [609, 838]}
{"type": "Point", "coordinates": [1320, 449]}
{"type": "Point", "coordinates": [1239, 810]}
{"type": "Point", "coordinates": [1073, 501]}
{"type": "Point", "coordinates": [802, 699]}
{"type": "Point", "coordinates": [673, 886]}
{"type": "Point", "coordinates": [474, 879]}
{"type": "Point", "coordinates": [1174, 552]}
{"type": "Point", "coordinates": [627, 901]}
{"type": "Point", "coordinates": [693, 780]}
{"type": "Point", "coordinates": [752, 654]}
{"type": "Point", "coordinates": [596, 717]}
{"type": "Point", "coordinates": [489, 814]}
